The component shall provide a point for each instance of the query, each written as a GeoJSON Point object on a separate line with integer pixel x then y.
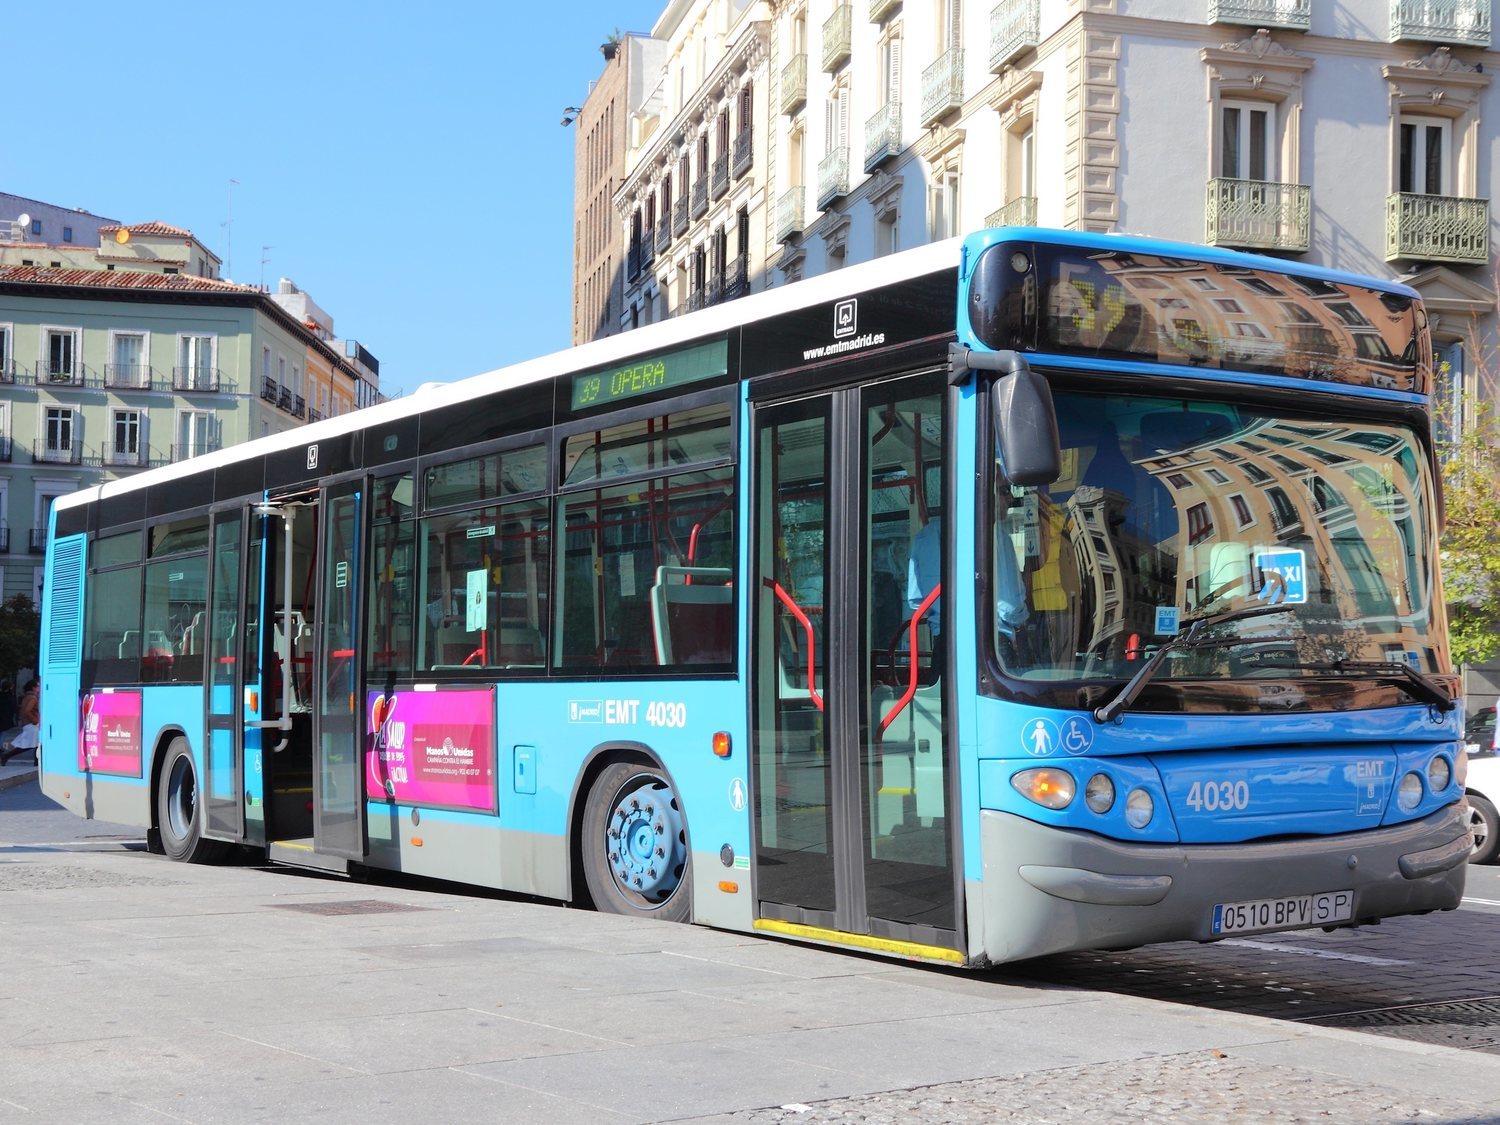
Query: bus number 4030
{"type": "Point", "coordinates": [1216, 796]}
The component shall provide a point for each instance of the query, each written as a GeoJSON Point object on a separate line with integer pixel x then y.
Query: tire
{"type": "Point", "coordinates": [179, 816]}
{"type": "Point", "coordinates": [1485, 823]}
{"type": "Point", "coordinates": [634, 845]}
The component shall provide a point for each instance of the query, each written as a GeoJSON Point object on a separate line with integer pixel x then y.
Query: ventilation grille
{"type": "Point", "coordinates": [65, 600]}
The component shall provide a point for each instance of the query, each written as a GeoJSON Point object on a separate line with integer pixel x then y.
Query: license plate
{"type": "Point", "coordinates": [1296, 912]}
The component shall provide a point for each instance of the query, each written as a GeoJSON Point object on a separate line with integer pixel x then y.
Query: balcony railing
{"type": "Point", "coordinates": [4, 540]}
{"type": "Point", "coordinates": [794, 84]}
{"type": "Point", "coordinates": [7, 371]}
{"type": "Point", "coordinates": [663, 234]}
{"type": "Point", "coordinates": [696, 300]}
{"type": "Point", "coordinates": [633, 261]}
{"type": "Point", "coordinates": [744, 154]}
{"type": "Point", "coordinates": [1019, 212]}
{"type": "Point", "coordinates": [882, 135]}
{"type": "Point", "coordinates": [699, 205]}
{"type": "Point", "coordinates": [55, 375]}
{"type": "Point", "coordinates": [943, 86]}
{"type": "Point", "coordinates": [193, 449]}
{"type": "Point", "coordinates": [195, 378]}
{"type": "Point", "coordinates": [648, 247]}
{"type": "Point", "coordinates": [737, 284]}
{"type": "Point", "coordinates": [124, 457]}
{"type": "Point", "coordinates": [43, 451]}
{"type": "Point", "coordinates": [879, 9]}
{"type": "Point", "coordinates": [284, 398]}
{"type": "Point", "coordinates": [315, 415]}
{"type": "Point", "coordinates": [1015, 26]}
{"type": "Point", "coordinates": [1463, 22]}
{"type": "Point", "coordinates": [1292, 15]}
{"type": "Point", "coordinates": [128, 376]}
{"type": "Point", "coordinates": [1437, 228]}
{"type": "Point", "coordinates": [37, 541]}
{"type": "Point", "coordinates": [833, 177]}
{"type": "Point", "coordinates": [268, 389]}
{"type": "Point", "coordinates": [1256, 214]}
{"type": "Point", "coordinates": [5, 450]}
{"type": "Point", "coordinates": [838, 37]}
{"type": "Point", "coordinates": [718, 177]}
{"type": "Point", "coordinates": [299, 406]}
{"type": "Point", "coordinates": [791, 208]}
{"type": "Point", "coordinates": [715, 286]}
{"type": "Point", "coordinates": [680, 216]}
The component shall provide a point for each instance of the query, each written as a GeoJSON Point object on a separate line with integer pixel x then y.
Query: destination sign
{"type": "Point", "coordinates": [650, 374]}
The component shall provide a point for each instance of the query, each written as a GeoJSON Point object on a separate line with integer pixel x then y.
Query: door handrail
{"type": "Point", "coordinates": [911, 648]}
{"type": "Point", "coordinates": [812, 642]}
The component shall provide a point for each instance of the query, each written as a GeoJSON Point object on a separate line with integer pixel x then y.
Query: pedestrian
{"type": "Point", "coordinates": [30, 715]}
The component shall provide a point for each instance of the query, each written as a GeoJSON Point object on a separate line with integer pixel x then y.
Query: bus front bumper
{"type": "Point", "coordinates": [1048, 890]}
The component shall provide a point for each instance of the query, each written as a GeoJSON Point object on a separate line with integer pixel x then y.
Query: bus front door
{"type": "Point", "coordinates": [851, 760]}
{"type": "Point", "coordinates": [338, 778]}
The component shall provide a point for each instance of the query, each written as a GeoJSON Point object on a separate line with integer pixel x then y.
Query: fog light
{"type": "Point", "coordinates": [1409, 795]}
{"type": "Point", "coordinates": [1050, 788]}
{"type": "Point", "coordinates": [1138, 808]}
{"type": "Point", "coordinates": [1099, 793]}
{"type": "Point", "coordinates": [1439, 773]}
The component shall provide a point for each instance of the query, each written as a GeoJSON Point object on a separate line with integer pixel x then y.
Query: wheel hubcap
{"type": "Point", "coordinates": [645, 840]}
{"type": "Point", "coordinates": [182, 798]}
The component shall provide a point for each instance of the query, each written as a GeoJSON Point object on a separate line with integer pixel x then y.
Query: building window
{"type": "Point", "coordinates": [195, 433]}
{"type": "Point", "coordinates": [1246, 144]}
{"type": "Point", "coordinates": [1448, 395]}
{"type": "Point", "coordinates": [944, 204]}
{"type": "Point", "coordinates": [67, 234]}
{"type": "Point", "coordinates": [1241, 508]}
{"type": "Point", "coordinates": [1255, 91]}
{"type": "Point", "coordinates": [58, 429]}
{"type": "Point", "coordinates": [127, 436]}
{"type": "Point", "coordinates": [60, 360]}
{"type": "Point", "coordinates": [36, 226]}
{"type": "Point", "coordinates": [7, 368]}
{"type": "Point", "coordinates": [1200, 523]}
{"type": "Point", "coordinates": [1425, 145]}
{"type": "Point", "coordinates": [837, 119]}
{"type": "Point", "coordinates": [196, 362]}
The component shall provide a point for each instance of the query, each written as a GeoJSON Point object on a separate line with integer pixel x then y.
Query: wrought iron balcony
{"type": "Point", "coordinates": [663, 234]}
{"type": "Point", "coordinates": [1437, 228]}
{"type": "Point", "coordinates": [648, 247]}
{"type": "Point", "coordinates": [284, 399]}
{"type": "Point", "coordinates": [833, 177]}
{"type": "Point", "coordinates": [1015, 26]}
{"type": "Point", "coordinates": [680, 216]}
{"type": "Point", "coordinates": [4, 540]}
{"type": "Point", "coordinates": [1257, 214]}
{"type": "Point", "coordinates": [58, 375]}
{"type": "Point", "coordinates": [633, 261]}
{"type": "Point", "coordinates": [882, 136]}
{"type": "Point", "coordinates": [124, 457]}
{"type": "Point", "coordinates": [696, 300]}
{"type": "Point", "coordinates": [838, 37]}
{"type": "Point", "coordinates": [7, 371]}
{"type": "Point", "coordinates": [943, 86]}
{"type": "Point", "coordinates": [794, 84]}
{"type": "Point", "coordinates": [43, 451]}
{"type": "Point", "coordinates": [715, 292]}
{"type": "Point", "coordinates": [1462, 22]}
{"type": "Point", "coordinates": [128, 376]}
{"type": "Point", "coordinates": [38, 541]}
{"type": "Point", "coordinates": [699, 205]}
{"type": "Point", "coordinates": [737, 284]}
{"type": "Point", "coordinates": [268, 389]}
{"type": "Point", "coordinates": [718, 178]}
{"type": "Point", "coordinates": [1291, 15]}
{"type": "Point", "coordinates": [195, 378]}
{"type": "Point", "coordinates": [879, 9]}
{"type": "Point", "coordinates": [193, 449]}
{"type": "Point", "coordinates": [5, 453]}
{"type": "Point", "coordinates": [791, 207]}
{"type": "Point", "coordinates": [299, 406]}
{"type": "Point", "coordinates": [744, 154]}
{"type": "Point", "coordinates": [315, 415]}
{"type": "Point", "coordinates": [1019, 212]}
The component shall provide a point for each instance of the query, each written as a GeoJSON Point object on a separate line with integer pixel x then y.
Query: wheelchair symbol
{"type": "Point", "coordinates": [1077, 736]}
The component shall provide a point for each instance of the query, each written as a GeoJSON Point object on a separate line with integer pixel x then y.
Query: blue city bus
{"type": "Point", "coordinates": [1030, 592]}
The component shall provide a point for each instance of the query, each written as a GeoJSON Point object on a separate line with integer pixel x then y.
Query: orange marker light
{"type": "Point", "coordinates": [729, 888]}
{"type": "Point", "coordinates": [416, 841]}
{"type": "Point", "coordinates": [721, 743]}
{"type": "Point", "coordinates": [1050, 788]}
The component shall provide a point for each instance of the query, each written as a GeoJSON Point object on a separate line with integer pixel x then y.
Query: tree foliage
{"type": "Point", "coordinates": [20, 634]}
{"type": "Point", "coordinates": [1471, 537]}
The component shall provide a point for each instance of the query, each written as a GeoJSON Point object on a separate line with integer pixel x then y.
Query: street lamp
{"type": "Point", "coordinates": [570, 114]}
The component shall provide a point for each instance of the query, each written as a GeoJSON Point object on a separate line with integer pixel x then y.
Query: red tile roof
{"type": "Point", "coordinates": [147, 228]}
{"type": "Point", "coordinates": [120, 279]}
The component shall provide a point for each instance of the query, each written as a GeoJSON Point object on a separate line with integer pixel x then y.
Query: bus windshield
{"type": "Point", "coordinates": [1168, 510]}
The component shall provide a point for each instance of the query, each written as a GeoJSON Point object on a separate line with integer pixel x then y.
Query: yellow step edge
{"type": "Point", "coordinates": [861, 941]}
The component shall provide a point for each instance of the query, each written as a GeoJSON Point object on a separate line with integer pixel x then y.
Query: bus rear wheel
{"type": "Point", "coordinates": [1484, 822]}
{"type": "Point", "coordinates": [635, 846]}
{"type": "Point", "coordinates": [179, 815]}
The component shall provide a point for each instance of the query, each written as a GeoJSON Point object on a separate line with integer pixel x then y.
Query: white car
{"type": "Point", "coordinates": [1483, 785]}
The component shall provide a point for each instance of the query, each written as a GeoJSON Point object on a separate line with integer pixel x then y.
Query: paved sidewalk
{"type": "Point", "coordinates": [18, 771]}
{"type": "Point", "coordinates": [135, 989]}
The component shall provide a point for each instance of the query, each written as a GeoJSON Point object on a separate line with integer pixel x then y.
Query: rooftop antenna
{"type": "Point", "coordinates": [264, 258]}
{"type": "Point", "coordinates": [228, 225]}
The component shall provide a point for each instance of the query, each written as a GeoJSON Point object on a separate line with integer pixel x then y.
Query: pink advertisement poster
{"type": "Point", "coordinates": [433, 748]}
{"type": "Point", "coordinates": [109, 739]}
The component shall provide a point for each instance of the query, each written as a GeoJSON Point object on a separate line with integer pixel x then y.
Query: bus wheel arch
{"type": "Point", "coordinates": [176, 810]}
{"type": "Point", "coordinates": [629, 834]}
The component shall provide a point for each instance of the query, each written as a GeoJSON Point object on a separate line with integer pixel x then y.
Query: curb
{"type": "Point", "coordinates": [17, 779]}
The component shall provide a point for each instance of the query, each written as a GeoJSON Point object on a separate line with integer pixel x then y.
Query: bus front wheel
{"type": "Point", "coordinates": [635, 847]}
{"type": "Point", "coordinates": [179, 814]}
{"type": "Point", "coordinates": [1485, 824]}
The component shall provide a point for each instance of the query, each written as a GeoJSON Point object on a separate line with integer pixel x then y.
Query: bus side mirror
{"type": "Point", "coordinates": [1022, 414]}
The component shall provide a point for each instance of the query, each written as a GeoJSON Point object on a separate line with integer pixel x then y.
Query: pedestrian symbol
{"type": "Point", "coordinates": [1039, 737]}
{"type": "Point", "coordinates": [737, 795]}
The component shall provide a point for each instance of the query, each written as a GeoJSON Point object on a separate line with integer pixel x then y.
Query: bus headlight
{"type": "Point", "coordinates": [1439, 773]}
{"type": "Point", "coordinates": [1050, 788]}
{"type": "Point", "coordinates": [1461, 767]}
{"type": "Point", "coordinates": [1139, 808]}
{"type": "Point", "coordinates": [1409, 794]}
{"type": "Point", "coordinates": [1099, 793]}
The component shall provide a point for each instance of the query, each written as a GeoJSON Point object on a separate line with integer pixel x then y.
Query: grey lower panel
{"type": "Point", "coordinates": [1049, 891]}
{"type": "Point", "coordinates": [484, 855]}
{"type": "Point", "coordinates": [95, 797]}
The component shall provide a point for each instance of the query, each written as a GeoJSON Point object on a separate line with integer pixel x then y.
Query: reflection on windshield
{"type": "Point", "coordinates": [1168, 509]}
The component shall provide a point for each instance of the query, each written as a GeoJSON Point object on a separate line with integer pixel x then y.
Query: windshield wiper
{"type": "Point", "coordinates": [1185, 642]}
{"type": "Point", "coordinates": [1420, 687]}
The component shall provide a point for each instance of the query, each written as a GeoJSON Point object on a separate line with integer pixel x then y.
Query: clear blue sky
{"type": "Point", "coordinates": [404, 161]}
